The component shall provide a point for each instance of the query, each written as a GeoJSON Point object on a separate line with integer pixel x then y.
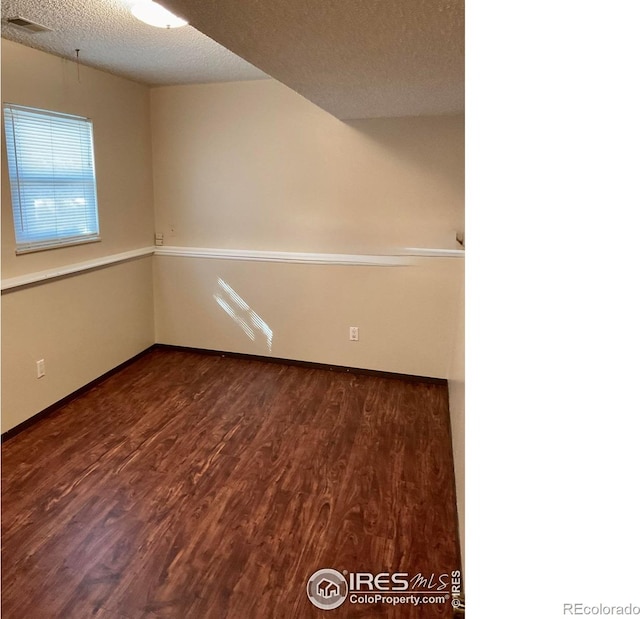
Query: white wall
{"type": "Point", "coordinates": [254, 166]}
{"type": "Point", "coordinates": [86, 324]}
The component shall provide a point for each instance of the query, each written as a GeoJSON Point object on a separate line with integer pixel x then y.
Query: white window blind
{"type": "Point", "coordinates": [51, 172]}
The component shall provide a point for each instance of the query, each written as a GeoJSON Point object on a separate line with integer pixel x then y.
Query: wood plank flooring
{"type": "Point", "coordinates": [191, 486]}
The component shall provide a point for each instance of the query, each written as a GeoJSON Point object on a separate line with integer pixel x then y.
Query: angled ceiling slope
{"type": "Point", "coordinates": [353, 58]}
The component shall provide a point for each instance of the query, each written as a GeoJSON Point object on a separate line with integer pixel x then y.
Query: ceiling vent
{"type": "Point", "coordinates": [26, 24]}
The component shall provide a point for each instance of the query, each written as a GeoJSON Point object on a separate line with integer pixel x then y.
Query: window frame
{"type": "Point", "coordinates": [22, 179]}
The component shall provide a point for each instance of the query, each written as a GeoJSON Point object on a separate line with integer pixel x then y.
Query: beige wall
{"type": "Point", "coordinates": [252, 165]}
{"type": "Point", "coordinates": [403, 312]}
{"type": "Point", "coordinates": [82, 326]}
{"type": "Point", "coordinates": [86, 324]}
{"type": "Point", "coordinates": [457, 410]}
{"type": "Point", "coordinates": [120, 113]}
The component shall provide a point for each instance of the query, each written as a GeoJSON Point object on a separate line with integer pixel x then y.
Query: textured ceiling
{"type": "Point", "coordinates": [110, 38]}
{"type": "Point", "coordinates": [354, 58]}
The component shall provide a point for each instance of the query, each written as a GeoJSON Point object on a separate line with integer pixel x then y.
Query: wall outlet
{"type": "Point", "coordinates": [354, 334]}
{"type": "Point", "coordinates": [40, 368]}
{"type": "Point", "coordinates": [159, 238]}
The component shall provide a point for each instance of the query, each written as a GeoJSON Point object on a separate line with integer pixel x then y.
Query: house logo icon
{"type": "Point", "coordinates": [327, 589]}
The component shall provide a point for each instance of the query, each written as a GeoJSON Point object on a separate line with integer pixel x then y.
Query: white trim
{"type": "Point", "coordinates": [279, 256]}
{"type": "Point", "coordinates": [70, 269]}
{"type": "Point", "coordinates": [399, 259]}
{"type": "Point", "coordinates": [385, 260]}
{"type": "Point", "coordinates": [433, 253]}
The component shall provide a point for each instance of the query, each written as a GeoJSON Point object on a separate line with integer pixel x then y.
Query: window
{"type": "Point", "coordinates": [51, 173]}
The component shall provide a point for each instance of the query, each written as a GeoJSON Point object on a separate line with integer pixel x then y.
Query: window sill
{"type": "Point", "coordinates": [29, 248]}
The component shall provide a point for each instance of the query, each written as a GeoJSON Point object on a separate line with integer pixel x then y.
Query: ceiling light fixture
{"type": "Point", "coordinates": [156, 15]}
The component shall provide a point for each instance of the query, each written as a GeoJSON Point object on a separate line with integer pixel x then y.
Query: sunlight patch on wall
{"type": "Point", "coordinates": [240, 312]}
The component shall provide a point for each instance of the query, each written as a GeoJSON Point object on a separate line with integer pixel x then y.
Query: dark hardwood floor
{"type": "Point", "coordinates": [191, 486]}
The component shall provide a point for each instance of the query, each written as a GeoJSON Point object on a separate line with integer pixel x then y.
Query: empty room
{"type": "Point", "coordinates": [232, 309]}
